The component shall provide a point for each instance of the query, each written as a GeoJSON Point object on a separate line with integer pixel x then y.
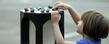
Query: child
{"type": "Point", "coordinates": [92, 25]}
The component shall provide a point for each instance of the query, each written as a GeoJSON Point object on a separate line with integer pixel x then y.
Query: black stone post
{"type": "Point", "coordinates": [38, 20]}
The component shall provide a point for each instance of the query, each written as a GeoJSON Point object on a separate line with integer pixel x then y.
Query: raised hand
{"type": "Point", "coordinates": [55, 17]}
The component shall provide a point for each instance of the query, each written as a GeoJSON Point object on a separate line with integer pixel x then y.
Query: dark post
{"type": "Point", "coordinates": [38, 19]}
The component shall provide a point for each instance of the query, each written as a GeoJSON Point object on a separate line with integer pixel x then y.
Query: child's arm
{"type": "Point", "coordinates": [58, 35]}
{"type": "Point", "coordinates": [55, 18]}
{"type": "Point", "coordinates": [75, 15]}
{"type": "Point", "coordinates": [73, 12]}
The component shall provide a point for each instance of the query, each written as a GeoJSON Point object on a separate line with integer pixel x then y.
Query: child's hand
{"type": "Point", "coordinates": [55, 17]}
{"type": "Point", "coordinates": [61, 5]}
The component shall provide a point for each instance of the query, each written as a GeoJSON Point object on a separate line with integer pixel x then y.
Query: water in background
{"type": "Point", "coordinates": [10, 16]}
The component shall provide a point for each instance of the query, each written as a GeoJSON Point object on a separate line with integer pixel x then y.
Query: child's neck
{"type": "Point", "coordinates": [87, 37]}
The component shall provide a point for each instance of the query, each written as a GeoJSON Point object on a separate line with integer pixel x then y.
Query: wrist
{"type": "Point", "coordinates": [55, 23]}
{"type": "Point", "coordinates": [69, 7]}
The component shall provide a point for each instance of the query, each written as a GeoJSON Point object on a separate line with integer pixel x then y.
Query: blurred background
{"type": "Point", "coordinates": [10, 18]}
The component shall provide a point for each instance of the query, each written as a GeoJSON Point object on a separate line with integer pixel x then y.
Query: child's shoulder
{"type": "Point", "coordinates": [84, 41]}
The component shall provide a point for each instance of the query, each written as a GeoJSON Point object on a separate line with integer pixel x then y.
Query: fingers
{"type": "Point", "coordinates": [54, 12]}
{"type": "Point", "coordinates": [57, 5]}
{"type": "Point", "coordinates": [55, 16]}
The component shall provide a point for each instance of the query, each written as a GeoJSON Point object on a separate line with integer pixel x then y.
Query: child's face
{"type": "Point", "coordinates": [80, 27]}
